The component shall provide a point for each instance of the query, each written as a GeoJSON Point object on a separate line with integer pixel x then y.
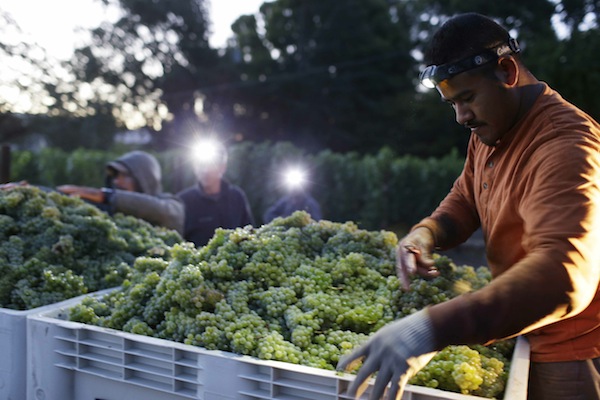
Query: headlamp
{"type": "Point", "coordinates": [295, 178]}
{"type": "Point", "coordinates": [434, 74]}
{"type": "Point", "coordinates": [207, 153]}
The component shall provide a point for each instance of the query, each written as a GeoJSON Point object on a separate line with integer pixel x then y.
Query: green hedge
{"type": "Point", "coordinates": [378, 191]}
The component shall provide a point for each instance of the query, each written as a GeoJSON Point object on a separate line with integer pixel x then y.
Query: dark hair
{"type": "Point", "coordinates": [462, 36]}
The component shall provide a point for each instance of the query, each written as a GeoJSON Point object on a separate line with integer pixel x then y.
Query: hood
{"type": "Point", "coordinates": [143, 167]}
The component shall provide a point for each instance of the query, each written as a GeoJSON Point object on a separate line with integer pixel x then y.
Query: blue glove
{"type": "Point", "coordinates": [396, 352]}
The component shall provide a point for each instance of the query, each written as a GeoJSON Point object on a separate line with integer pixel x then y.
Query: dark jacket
{"type": "Point", "coordinates": [205, 213]}
{"type": "Point", "coordinates": [289, 203]}
{"type": "Point", "coordinates": [150, 204]}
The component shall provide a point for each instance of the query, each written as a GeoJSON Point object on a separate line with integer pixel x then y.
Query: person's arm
{"type": "Point", "coordinates": [557, 276]}
{"type": "Point", "coordinates": [556, 279]}
{"type": "Point", "coordinates": [164, 210]}
{"type": "Point", "coordinates": [12, 185]}
{"type": "Point", "coordinates": [95, 195]}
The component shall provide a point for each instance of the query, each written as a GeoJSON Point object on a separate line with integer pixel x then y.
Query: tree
{"type": "Point", "coordinates": [317, 73]}
{"type": "Point", "coordinates": [324, 74]}
{"type": "Point", "coordinates": [343, 76]}
{"type": "Point", "coordinates": [146, 67]}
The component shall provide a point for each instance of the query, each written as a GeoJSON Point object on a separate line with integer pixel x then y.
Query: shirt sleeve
{"type": "Point", "coordinates": [558, 275]}
{"type": "Point", "coordinates": [166, 210]}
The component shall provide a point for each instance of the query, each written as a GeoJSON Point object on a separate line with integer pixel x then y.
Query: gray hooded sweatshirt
{"type": "Point", "coordinates": [149, 203]}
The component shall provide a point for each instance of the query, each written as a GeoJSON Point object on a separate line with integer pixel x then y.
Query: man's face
{"type": "Point", "coordinates": [481, 104]}
{"type": "Point", "coordinates": [210, 175]}
{"type": "Point", "coordinates": [124, 181]}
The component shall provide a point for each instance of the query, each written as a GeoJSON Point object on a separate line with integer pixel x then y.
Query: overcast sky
{"type": "Point", "coordinates": [52, 24]}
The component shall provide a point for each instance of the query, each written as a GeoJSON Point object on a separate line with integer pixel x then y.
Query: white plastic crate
{"type": "Point", "coordinates": [74, 361]}
{"type": "Point", "coordinates": [13, 347]}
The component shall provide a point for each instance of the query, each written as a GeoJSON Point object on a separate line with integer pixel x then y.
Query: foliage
{"type": "Point", "coordinates": [322, 75]}
{"type": "Point", "coordinates": [51, 167]}
{"type": "Point", "coordinates": [162, 55]}
{"type": "Point", "coordinates": [321, 92]}
{"type": "Point", "coordinates": [381, 190]}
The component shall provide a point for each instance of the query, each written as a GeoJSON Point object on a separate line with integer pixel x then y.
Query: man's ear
{"type": "Point", "coordinates": [508, 70]}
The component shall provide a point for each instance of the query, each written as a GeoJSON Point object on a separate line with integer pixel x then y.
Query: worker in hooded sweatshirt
{"type": "Point", "coordinates": [134, 187]}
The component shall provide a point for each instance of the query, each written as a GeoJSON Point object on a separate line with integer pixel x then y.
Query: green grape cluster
{"type": "Point", "coordinates": [294, 290]}
{"type": "Point", "coordinates": [469, 370]}
{"type": "Point", "coordinates": [54, 247]}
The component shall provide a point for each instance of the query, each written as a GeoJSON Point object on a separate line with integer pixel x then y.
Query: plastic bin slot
{"type": "Point", "coordinates": [343, 385]}
{"type": "Point", "coordinates": [149, 380]}
{"type": "Point", "coordinates": [103, 369]}
{"type": "Point", "coordinates": [187, 374]}
{"type": "Point", "coordinates": [187, 359]}
{"type": "Point", "coordinates": [66, 362]}
{"type": "Point", "coordinates": [65, 348]}
{"type": "Point", "coordinates": [64, 333]}
{"type": "Point", "coordinates": [106, 336]}
{"type": "Point", "coordinates": [255, 377]}
{"type": "Point", "coordinates": [309, 383]}
{"type": "Point", "coordinates": [188, 390]}
{"type": "Point", "coordinates": [100, 342]}
{"type": "Point", "coordinates": [256, 394]}
{"type": "Point", "coordinates": [259, 373]}
{"type": "Point", "coordinates": [299, 394]}
{"type": "Point", "coordinates": [65, 365]}
{"type": "Point", "coordinates": [101, 354]}
{"type": "Point", "coordinates": [149, 365]}
{"type": "Point", "coordinates": [148, 350]}
{"type": "Point", "coordinates": [246, 394]}
{"type": "Point", "coordinates": [66, 351]}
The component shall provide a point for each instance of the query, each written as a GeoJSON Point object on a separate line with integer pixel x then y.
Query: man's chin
{"type": "Point", "coordinates": [487, 140]}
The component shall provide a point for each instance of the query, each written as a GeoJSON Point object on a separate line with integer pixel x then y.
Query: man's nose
{"type": "Point", "coordinates": [464, 114]}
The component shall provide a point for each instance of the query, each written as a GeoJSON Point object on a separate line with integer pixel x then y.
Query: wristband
{"type": "Point", "coordinates": [107, 194]}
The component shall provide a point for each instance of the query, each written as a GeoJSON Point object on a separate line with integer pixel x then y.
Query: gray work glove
{"type": "Point", "coordinates": [413, 256]}
{"type": "Point", "coordinates": [396, 352]}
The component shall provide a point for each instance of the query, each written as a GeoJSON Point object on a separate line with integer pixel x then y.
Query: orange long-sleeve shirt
{"type": "Point", "coordinates": [536, 196]}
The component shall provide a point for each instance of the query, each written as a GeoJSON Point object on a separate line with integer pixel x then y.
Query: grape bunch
{"type": "Point", "coordinates": [294, 290]}
{"type": "Point", "coordinates": [54, 247]}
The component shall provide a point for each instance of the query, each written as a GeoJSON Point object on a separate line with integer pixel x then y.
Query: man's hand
{"type": "Point", "coordinates": [413, 256]}
{"type": "Point", "coordinates": [396, 352]}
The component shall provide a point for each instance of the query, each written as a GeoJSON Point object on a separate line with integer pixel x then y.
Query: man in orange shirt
{"type": "Point", "coordinates": [531, 181]}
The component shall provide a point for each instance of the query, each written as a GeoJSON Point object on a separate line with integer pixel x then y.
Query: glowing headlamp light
{"type": "Point", "coordinates": [295, 178]}
{"type": "Point", "coordinates": [207, 152]}
{"type": "Point", "coordinates": [434, 74]}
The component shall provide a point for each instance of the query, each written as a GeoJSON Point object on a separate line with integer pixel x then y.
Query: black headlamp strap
{"type": "Point", "coordinates": [434, 74]}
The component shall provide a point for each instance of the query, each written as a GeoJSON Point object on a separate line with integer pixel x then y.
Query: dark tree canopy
{"type": "Point", "coordinates": [318, 73]}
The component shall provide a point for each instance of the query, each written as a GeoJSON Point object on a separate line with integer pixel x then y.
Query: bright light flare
{"type": "Point", "coordinates": [206, 152]}
{"type": "Point", "coordinates": [295, 178]}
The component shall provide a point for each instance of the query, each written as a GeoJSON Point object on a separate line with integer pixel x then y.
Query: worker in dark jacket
{"type": "Point", "coordinates": [213, 202]}
{"type": "Point", "coordinates": [297, 198]}
{"type": "Point", "coordinates": [134, 187]}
